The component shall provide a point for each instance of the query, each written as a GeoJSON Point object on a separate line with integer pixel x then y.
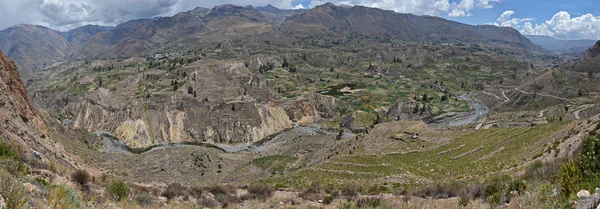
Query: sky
{"type": "Point", "coordinates": [561, 19]}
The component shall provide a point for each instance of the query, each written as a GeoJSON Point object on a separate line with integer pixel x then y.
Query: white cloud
{"type": "Point", "coordinates": [67, 14]}
{"type": "Point", "coordinates": [563, 26]}
{"type": "Point", "coordinates": [487, 4]}
{"type": "Point", "coordinates": [464, 7]}
{"type": "Point", "coordinates": [506, 20]}
{"type": "Point", "coordinates": [299, 6]}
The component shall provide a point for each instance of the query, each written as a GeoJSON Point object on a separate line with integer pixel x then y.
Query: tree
{"type": "Point", "coordinates": [444, 98]}
{"type": "Point", "coordinates": [118, 190]}
{"type": "Point", "coordinates": [285, 63]}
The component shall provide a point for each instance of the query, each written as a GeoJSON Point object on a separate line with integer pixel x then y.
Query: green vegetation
{"type": "Point", "coordinates": [60, 196]}
{"type": "Point", "coordinates": [12, 191]}
{"type": "Point", "coordinates": [275, 163]}
{"type": "Point", "coordinates": [118, 190]}
{"type": "Point", "coordinates": [473, 154]}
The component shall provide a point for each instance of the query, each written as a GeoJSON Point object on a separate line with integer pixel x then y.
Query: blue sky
{"type": "Point", "coordinates": [562, 19]}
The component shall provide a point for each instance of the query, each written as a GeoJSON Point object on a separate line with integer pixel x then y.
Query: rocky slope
{"type": "Point", "coordinates": [20, 123]}
{"type": "Point", "coordinates": [217, 103]}
{"type": "Point", "coordinates": [593, 52]}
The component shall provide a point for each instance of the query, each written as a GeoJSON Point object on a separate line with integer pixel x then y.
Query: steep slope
{"type": "Point", "coordinates": [32, 46]}
{"type": "Point", "coordinates": [593, 52]}
{"type": "Point", "coordinates": [21, 124]}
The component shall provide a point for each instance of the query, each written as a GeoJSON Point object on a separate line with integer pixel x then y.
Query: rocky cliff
{"type": "Point", "coordinates": [19, 122]}
{"type": "Point", "coordinates": [220, 103]}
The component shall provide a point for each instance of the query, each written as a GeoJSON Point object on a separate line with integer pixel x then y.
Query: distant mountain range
{"type": "Point", "coordinates": [566, 46]}
{"type": "Point", "coordinates": [36, 46]}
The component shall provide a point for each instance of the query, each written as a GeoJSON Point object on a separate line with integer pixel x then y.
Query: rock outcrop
{"type": "Point", "coordinates": [593, 52]}
{"type": "Point", "coordinates": [19, 122]}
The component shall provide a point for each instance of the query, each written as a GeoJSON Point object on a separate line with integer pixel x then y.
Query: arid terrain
{"type": "Point", "coordinates": [329, 107]}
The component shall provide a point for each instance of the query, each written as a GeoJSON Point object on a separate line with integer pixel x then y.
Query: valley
{"type": "Point", "coordinates": [331, 107]}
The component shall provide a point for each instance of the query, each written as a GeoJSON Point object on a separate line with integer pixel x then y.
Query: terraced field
{"type": "Point", "coordinates": [466, 158]}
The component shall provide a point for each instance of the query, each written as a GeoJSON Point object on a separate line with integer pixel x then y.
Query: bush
{"type": "Point", "coordinates": [313, 193]}
{"type": "Point", "coordinates": [60, 196]}
{"type": "Point", "coordinates": [8, 151]}
{"type": "Point", "coordinates": [517, 185]}
{"type": "Point", "coordinates": [589, 161]}
{"type": "Point", "coordinates": [144, 200]}
{"type": "Point", "coordinates": [12, 166]}
{"type": "Point", "coordinates": [175, 190]}
{"type": "Point", "coordinates": [350, 190]}
{"type": "Point", "coordinates": [260, 191]}
{"type": "Point", "coordinates": [463, 201]}
{"type": "Point", "coordinates": [369, 202]}
{"type": "Point", "coordinates": [15, 196]}
{"type": "Point", "coordinates": [82, 177]}
{"type": "Point", "coordinates": [569, 178]}
{"type": "Point", "coordinates": [118, 190]}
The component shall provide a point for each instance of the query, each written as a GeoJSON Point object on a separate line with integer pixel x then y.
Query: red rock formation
{"type": "Point", "coordinates": [14, 88]}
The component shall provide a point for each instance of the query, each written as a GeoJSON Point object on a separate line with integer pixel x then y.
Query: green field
{"type": "Point", "coordinates": [466, 158]}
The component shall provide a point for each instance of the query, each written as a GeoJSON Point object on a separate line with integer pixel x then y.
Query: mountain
{"type": "Point", "coordinates": [32, 46]}
{"type": "Point", "coordinates": [222, 23]}
{"type": "Point", "coordinates": [556, 45]}
{"type": "Point", "coordinates": [338, 21]}
{"type": "Point", "coordinates": [36, 46]}
{"type": "Point", "coordinates": [593, 52]}
{"type": "Point", "coordinates": [277, 15]}
{"type": "Point", "coordinates": [80, 36]}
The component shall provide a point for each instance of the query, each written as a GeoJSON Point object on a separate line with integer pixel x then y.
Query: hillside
{"type": "Point", "coordinates": [32, 46]}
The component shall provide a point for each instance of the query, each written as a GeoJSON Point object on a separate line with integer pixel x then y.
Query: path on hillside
{"type": "Point", "coordinates": [503, 94]}
{"type": "Point", "coordinates": [545, 95]}
{"type": "Point", "coordinates": [497, 97]}
{"type": "Point", "coordinates": [576, 113]}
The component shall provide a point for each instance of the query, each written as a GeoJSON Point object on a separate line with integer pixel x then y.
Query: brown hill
{"type": "Point", "coordinates": [330, 20]}
{"type": "Point", "coordinates": [80, 36]}
{"type": "Point", "coordinates": [32, 46]}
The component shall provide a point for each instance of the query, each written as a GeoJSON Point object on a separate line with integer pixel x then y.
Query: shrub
{"type": "Point", "coordinates": [15, 196]}
{"type": "Point", "coordinates": [82, 177]}
{"type": "Point", "coordinates": [175, 190]}
{"type": "Point", "coordinates": [313, 193]}
{"type": "Point", "coordinates": [12, 166]}
{"type": "Point", "coordinates": [350, 190]}
{"type": "Point", "coordinates": [494, 199]}
{"type": "Point", "coordinates": [463, 201]}
{"type": "Point", "coordinates": [328, 199]}
{"type": "Point", "coordinates": [517, 185]}
{"type": "Point", "coordinates": [118, 190]}
{"type": "Point", "coordinates": [569, 177]}
{"type": "Point", "coordinates": [589, 161]}
{"type": "Point", "coordinates": [60, 196]}
{"type": "Point", "coordinates": [369, 202]}
{"type": "Point", "coordinates": [260, 191]}
{"type": "Point", "coordinates": [8, 151]}
{"type": "Point", "coordinates": [144, 200]}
